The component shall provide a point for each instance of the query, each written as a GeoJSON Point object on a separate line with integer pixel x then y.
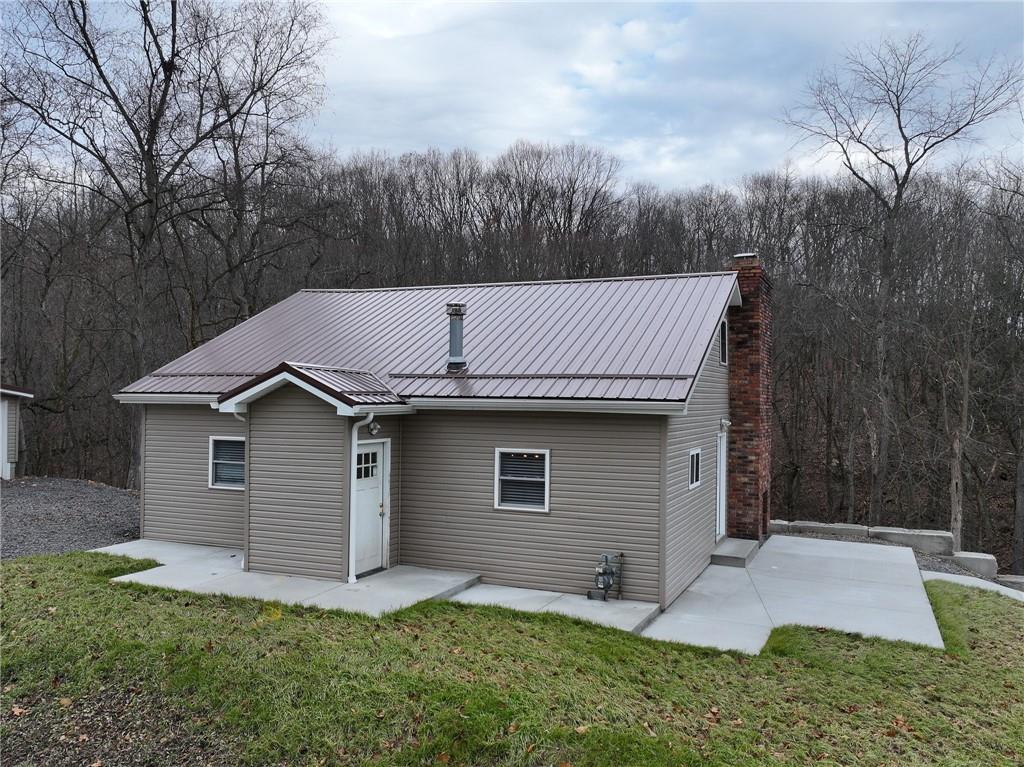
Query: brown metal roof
{"type": "Point", "coordinates": [187, 383]}
{"type": "Point", "coordinates": [633, 338]}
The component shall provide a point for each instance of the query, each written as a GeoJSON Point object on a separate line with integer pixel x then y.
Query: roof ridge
{"type": "Point", "coordinates": [515, 283]}
{"type": "Point", "coordinates": [332, 368]}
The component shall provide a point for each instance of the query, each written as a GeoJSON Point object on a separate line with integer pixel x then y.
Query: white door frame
{"type": "Point", "coordinates": [5, 413]}
{"type": "Point", "coordinates": [721, 484]}
{"type": "Point", "coordinates": [385, 491]}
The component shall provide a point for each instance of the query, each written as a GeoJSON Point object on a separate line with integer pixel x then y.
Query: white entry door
{"type": "Point", "coordinates": [371, 517]}
{"type": "Point", "coordinates": [720, 467]}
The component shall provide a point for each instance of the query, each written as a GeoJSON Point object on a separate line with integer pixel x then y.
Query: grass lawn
{"type": "Point", "coordinates": [97, 673]}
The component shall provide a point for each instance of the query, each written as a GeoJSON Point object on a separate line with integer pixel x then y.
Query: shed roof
{"type": "Point", "coordinates": [15, 391]}
{"type": "Point", "coordinates": [626, 338]}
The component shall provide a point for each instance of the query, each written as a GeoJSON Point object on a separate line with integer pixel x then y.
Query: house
{"type": "Point", "coordinates": [11, 398]}
{"type": "Point", "coordinates": [515, 430]}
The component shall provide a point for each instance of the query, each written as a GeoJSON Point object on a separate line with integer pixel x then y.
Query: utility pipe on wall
{"type": "Point", "coordinates": [353, 449]}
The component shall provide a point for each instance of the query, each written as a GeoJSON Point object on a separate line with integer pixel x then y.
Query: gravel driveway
{"type": "Point", "coordinates": [49, 515]}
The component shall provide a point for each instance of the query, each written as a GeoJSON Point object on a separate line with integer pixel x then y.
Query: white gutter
{"type": "Point", "coordinates": [154, 398]}
{"type": "Point", "coordinates": [353, 449]}
{"type": "Point", "coordinates": [12, 393]}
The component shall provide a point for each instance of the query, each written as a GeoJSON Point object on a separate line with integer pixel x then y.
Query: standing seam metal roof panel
{"type": "Point", "coordinates": [634, 329]}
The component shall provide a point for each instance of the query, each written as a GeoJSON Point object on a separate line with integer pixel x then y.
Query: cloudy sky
{"type": "Point", "coordinates": [683, 93]}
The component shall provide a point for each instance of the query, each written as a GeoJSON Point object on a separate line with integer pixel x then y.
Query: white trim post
{"type": "Point", "coordinates": [353, 450]}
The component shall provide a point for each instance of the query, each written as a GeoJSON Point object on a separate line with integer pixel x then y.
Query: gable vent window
{"type": "Point", "coordinates": [723, 344]}
{"type": "Point", "coordinates": [695, 467]}
{"type": "Point", "coordinates": [227, 463]}
{"type": "Point", "coordinates": [521, 479]}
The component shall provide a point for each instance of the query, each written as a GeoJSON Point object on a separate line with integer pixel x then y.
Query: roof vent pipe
{"type": "Point", "coordinates": [456, 361]}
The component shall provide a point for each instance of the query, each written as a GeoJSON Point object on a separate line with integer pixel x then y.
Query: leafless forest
{"type": "Point", "coordinates": [158, 189]}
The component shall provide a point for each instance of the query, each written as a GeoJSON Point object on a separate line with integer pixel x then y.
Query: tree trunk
{"type": "Point", "coordinates": [851, 476]}
{"type": "Point", "coordinates": [1017, 549]}
{"type": "Point", "coordinates": [956, 491]}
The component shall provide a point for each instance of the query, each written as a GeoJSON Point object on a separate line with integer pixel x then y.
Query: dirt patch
{"type": "Point", "coordinates": [125, 728]}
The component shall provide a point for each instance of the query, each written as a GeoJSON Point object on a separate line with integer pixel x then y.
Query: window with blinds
{"type": "Point", "coordinates": [227, 462]}
{"type": "Point", "coordinates": [521, 479]}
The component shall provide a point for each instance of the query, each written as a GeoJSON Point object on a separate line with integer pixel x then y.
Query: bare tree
{"type": "Point", "coordinates": [885, 112]}
{"type": "Point", "coordinates": [142, 95]}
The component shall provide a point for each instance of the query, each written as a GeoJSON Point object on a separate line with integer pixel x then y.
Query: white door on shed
{"type": "Point", "coordinates": [370, 516]}
{"type": "Point", "coordinates": [5, 467]}
{"type": "Point", "coordinates": [721, 460]}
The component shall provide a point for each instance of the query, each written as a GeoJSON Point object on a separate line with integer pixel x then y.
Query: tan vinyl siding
{"type": "Point", "coordinates": [178, 504]}
{"type": "Point", "coordinates": [690, 513]}
{"type": "Point", "coordinates": [297, 480]}
{"type": "Point", "coordinates": [391, 428]}
{"type": "Point", "coordinates": [13, 424]}
{"type": "Point", "coordinates": [605, 496]}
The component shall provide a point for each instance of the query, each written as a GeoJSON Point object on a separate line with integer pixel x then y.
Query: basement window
{"type": "Point", "coordinates": [521, 479]}
{"type": "Point", "coordinates": [723, 343]}
{"type": "Point", "coordinates": [227, 463]}
{"type": "Point", "coordinates": [695, 467]}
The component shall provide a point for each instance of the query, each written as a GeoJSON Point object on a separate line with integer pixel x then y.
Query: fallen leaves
{"type": "Point", "coordinates": [583, 729]}
{"type": "Point", "coordinates": [18, 711]}
{"type": "Point", "coordinates": [898, 725]}
{"type": "Point", "coordinates": [65, 702]}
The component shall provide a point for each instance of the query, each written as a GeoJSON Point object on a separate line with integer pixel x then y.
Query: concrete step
{"type": "Point", "coordinates": [734, 552]}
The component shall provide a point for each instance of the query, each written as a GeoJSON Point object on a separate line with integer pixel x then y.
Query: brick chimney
{"type": "Point", "coordinates": [750, 402]}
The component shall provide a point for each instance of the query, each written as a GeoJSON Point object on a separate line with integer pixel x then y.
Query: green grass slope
{"type": "Point", "coordinates": [116, 674]}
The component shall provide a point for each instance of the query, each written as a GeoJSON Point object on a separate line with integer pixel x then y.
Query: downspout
{"type": "Point", "coordinates": [353, 449]}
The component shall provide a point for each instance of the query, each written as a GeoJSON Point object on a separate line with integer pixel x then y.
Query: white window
{"type": "Point", "coordinates": [227, 463]}
{"type": "Point", "coordinates": [366, 465]}
{"type": "Point", "coordinates": [695, 467]}
{"type": "Point", "coordinates": [723, 343]}
{"type": "Point", "coordinates": [521, 479]}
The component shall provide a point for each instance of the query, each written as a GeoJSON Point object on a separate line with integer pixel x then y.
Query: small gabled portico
{"type": "Point", "coordinates": [315, 491]}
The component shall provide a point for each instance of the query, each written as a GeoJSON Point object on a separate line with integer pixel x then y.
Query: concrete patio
{"type": "Point", "coordinates": [210, 570]}
{"type": "Point", "coordinates": [859, 588]}
{"type": "Point", "coordinates": [621, 614]}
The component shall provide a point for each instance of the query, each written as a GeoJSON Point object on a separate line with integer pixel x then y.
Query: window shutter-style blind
{"type": "Point", "coordinates": [228, 462]}
{"type": "Point", "coordinates": [522, 479]}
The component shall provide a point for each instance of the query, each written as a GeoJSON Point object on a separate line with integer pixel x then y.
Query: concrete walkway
{"type": "Point", "coordinates": [210, 570]}
{"type": "Point", "coordinates": [860, 588]}
{"type": "Point", "coordinates": [621, 614]}
{"type": "Point", "coordinates": [978, 583]}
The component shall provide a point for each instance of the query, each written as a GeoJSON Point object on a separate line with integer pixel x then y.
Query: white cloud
{"type": "Point", "coordinates": [685, 94]}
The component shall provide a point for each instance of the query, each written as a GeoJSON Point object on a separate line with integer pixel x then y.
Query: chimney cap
{"type": "Point", "coordinates": [456, 310]}
{"type": "Point", "coordinates": [752, 254]}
